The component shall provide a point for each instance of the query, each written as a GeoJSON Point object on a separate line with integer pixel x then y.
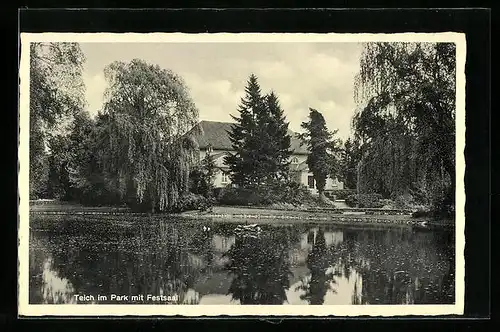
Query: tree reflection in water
{"type": "Point", "coordinates": [260, 267]}
{"type": "Point", "coordinates": [376, 266]}
{"type": "Point", "coordinates": [400, 266]}
{"type": "Point", "coordinates": [321, 278]}
{"type": "Point", "coordinates": [152, 258]}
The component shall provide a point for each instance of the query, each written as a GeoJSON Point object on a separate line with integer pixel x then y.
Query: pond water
{"type": "Point", "coordinates": [204, 262]}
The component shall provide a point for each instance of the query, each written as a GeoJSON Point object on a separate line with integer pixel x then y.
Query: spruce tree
{"type": "Point", "coordinates": [275, 140]}
{"type": "Point", "coordinates": [260, 140]}
{"type": "Point", "coordinates": [244, 137]}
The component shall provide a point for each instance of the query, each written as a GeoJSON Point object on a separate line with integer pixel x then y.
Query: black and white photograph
{"type": "Point", "coordinates": [241, 174]}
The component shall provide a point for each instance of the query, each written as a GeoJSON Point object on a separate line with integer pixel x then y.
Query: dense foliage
{"type": "Point", "coordinates": [56, 93]}
{"type": "Point", "coordinates": [139, 151]}
{"type": "Point", "coordinates": [202, 177]}
{"type": "Point", "coordinates": [365, 201]}
{"type": "Point", "coordinates": [323, 159]}
{"type": "Point", "coordinates": [150, 112]}
{"type": "Point", "coordinates": [340, 193]}
{"type": "Point", "coordinates": [406, 121]}
{"type": "Point", "coordinates": [135, 152]}
{"type": "Point", "coordinates": [350, 157]}
{"type": "Point", "coordinates": [260, 140]}
{"type": "Point", "coordinates": [259, 267]}
{"type": "Point", "coordinates": [286, 192]}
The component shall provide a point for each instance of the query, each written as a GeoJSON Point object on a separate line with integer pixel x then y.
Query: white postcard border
{"type": "Point", "coordinates": [26, 309]}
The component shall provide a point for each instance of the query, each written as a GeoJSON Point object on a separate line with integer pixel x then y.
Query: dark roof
{"type": "Point", "coordinates": [295, 144]}
{"type": "Point", "coordinates": [215, 134]}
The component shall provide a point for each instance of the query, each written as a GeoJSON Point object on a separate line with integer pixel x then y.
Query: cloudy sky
{"type": "Point", "coordinates": [303, 75]}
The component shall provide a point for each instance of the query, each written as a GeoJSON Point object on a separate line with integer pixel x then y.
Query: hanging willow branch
{"type": "Point", "coordinates": [150, 114]}
{"type": "Point", "coordinates": [406, 116]}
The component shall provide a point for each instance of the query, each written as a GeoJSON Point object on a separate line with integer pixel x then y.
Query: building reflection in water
{"type": "Point", "coordinates": [208, 263]}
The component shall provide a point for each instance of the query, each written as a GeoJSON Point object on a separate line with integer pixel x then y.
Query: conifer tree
{"type": "Point", "coordinates": [322, 147]}
{"type": "Point", "coordinates": [260, 140]}
{"type": "Point", "coordinates": [244, 139]}
{"type": "Point", "coordinates": [275, 140]}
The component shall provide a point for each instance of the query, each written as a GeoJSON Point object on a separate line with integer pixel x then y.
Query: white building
{"type": "Point", "coordinates": [214, 137]}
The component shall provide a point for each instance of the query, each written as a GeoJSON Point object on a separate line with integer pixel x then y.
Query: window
{"type": "Point", "coordinates": [295, 160]}
{"type": "Point", "coordinates": [225, 178]}
{"type": "Point", "coordinates": [310, 181]}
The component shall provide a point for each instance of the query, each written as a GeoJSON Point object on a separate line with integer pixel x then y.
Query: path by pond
{"type": "Point", "coordinates": [206, 262]}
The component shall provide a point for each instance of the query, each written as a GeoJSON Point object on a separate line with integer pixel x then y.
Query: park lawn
{"type": "Point", "coordinates": [74, 207]}
{"type": "Point", "coordinates": [250, 214]}
{"type": "Point", "coordinates": [233, 210]}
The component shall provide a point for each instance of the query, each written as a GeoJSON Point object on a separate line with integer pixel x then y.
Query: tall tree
{"type": "Point", "coordinates": [58, 185]}
{"type": "Point", "coordinates": [243, 164]}
{"type": "Point", "coordinates": [56, 90]}
{"type": "Point", "coordinates": [275, 140]}
{"type": "Point", "coordinates": [260, 139]}
{"type": "Point", "coordinates": [406, 118]}
{"type": "Point", "coordinates": [150, 112]}
{"type": "Point", "coordinates": [351, 155]}
{"type": "Point", "coordinates": [89, 153]}
{"type": "Point", "coordinates": [323, 149]}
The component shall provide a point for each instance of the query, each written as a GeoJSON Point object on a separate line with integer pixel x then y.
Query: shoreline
{"type": "Point", "coordinates": [253, 215]}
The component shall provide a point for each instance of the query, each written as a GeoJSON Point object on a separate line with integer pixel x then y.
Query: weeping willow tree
{"type": "Point", "coordinates": [406, 120]}
{"type": "Point", "coordinates": [150, 112]}
{"type": "Point", "coordinates": [57, 92]}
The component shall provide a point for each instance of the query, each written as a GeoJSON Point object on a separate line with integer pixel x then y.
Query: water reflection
{"type": "Point", "coordinates": [259, 267]}
{"type": "Point", "coordinates": [321, 278]}
{"type": "Point", "coordinates": [54, 289]}
{"type": "Point", "coordinates": [211, 263]}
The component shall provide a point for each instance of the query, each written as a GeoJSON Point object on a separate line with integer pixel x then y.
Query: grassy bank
{"type": "Point", "coordinates": [263, 215]}
{"type": "Point", "coordinates": [242, 215]}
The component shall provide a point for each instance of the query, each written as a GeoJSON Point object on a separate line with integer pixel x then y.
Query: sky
{"type": "Point", "coordinates": [303, 75]}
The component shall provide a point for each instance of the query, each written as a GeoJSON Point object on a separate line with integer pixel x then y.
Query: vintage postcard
{"type": "Point", "coordinates": [241, 174]}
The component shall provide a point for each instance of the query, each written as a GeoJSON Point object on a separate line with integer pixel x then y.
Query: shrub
{"type": "Point", "coordinates": [190, 201]}
{"type": "Point", "coordinates": [239, 196]}
{"type": "Point", "coordinates": [365, 201]}
{"type": "Point", "coordinates": [352, 200]}
{"type": "Point", "coordinates": [342, 193]}
{"type": "Point", "coordinates": [370, 201]}
{"type": "Point", "coordinates": [404, 201]}
{"type": "Point", "coordinates": [330, 195]}
{"type": "Point", "coordinates": [444, 206]}
{"type": "Point", "coordinates": [422, 212]}
{"type": "Point", "coordinates": [387, 203]}
{"type": "Point", "coordinates": [219, 192]}
{"type": "Point", "coordinates": [289, 193]}
{"type": "Point", "coordinates": [420, 196]}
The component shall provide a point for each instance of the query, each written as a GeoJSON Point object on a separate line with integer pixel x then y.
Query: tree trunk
{"type": "Point", "coordinates": [153, 202]}
{"type": "Point", "coordinates": [449, 167]}
{"type": "Point", "coordinates": [322, 196]}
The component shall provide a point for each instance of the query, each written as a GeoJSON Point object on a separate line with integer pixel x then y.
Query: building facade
{"type": "Point", "coordinates": [213, 137]}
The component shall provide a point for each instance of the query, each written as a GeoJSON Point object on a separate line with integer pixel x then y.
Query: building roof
{"type": "Point", "coordinates": [215, 134]}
